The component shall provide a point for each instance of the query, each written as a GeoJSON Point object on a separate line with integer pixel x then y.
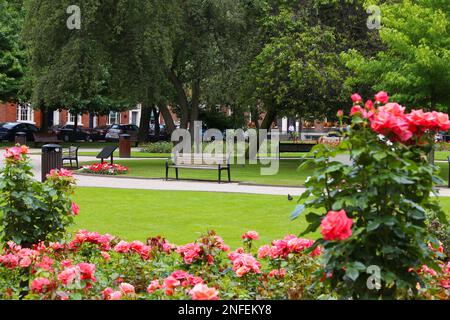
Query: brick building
{"type": "Point", "coordinates": [11, 112]}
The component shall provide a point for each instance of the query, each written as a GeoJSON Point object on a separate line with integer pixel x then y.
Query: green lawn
{"type": "Point", "coordinates": [182, 216]}
{"type": "Point", "coordinates": [288, 175]}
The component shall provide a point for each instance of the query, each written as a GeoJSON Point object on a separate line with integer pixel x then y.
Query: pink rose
{"type": "Point", "coordinates": [202, 292]}
{"type": "Point", "coordinates": [126, 288]}
{"type": "Point", "coordinates": [105, 255]}
{"type": "Point", "coordinates": [154, 285]}
{"type": "Point", "coordinates": [336, 226]}
{"type": "Point", "coordinates": [340, 113]}
{"type": "Point", "coordinates": [382, 97]}
{"type": "Point", "coordinates": [251, 235]}
{"type": "Point", "coordinates": [263, 252]}
{"type": "Point", "coordinates": [122, 247]}
{"type": "Point", "coordinates": [75, 209]}
{"type": "Point", "coordinates": [40, 285]}
{"type": "Point", "coordinates": [356, 98]}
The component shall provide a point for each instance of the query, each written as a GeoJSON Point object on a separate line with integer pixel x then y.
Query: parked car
{"type": "Point", "coordinates": [116, 130]}
{"type": "Point", "coordinates": [99, 133]}
{"type": "Point", "coordinates": [68, 133]}
{"type": "Point", "coordinates": [8, 130]}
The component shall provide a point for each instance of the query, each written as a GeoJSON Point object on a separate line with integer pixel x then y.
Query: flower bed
{"type": "Point", "coordinates": [96, 266]}
{"type": "Point", "coordinates": [104, 169]}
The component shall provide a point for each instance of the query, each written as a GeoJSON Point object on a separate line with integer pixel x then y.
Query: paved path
{"type": "Point", "coordinates": [160, 184]}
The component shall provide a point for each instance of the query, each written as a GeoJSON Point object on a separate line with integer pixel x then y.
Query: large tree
{"type": "Point", "coordinates": [297, 71]}
{"type": "Point", "coordinates": [12, 54]}
{"type": "Point", "coordinates": [69, 67]}
{"type": "Point", "coordinates": [415, 67]}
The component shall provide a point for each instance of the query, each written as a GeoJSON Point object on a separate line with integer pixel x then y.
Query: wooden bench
{"type": "Point", "coordinates": [217, 162]}
{"type": "Point", "coordinates": [71, 155]}
{"type": "Point", "coordinates": [44, 138]}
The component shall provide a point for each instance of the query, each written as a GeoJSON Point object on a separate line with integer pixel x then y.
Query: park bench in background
{"type": "Point", "coordinates": [71, 155]}
{"type": "Point", "coordinates": [296, 146]}
{"type": "Point", "coordinates": [107, 152]}
{"type": "Point", "coordinates": [219, 162]}
{"type": "Point", "coordinates": [44, 138]}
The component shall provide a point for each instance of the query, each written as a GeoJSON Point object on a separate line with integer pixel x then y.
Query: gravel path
{"type": "Point", "coordinates": [160, 184]}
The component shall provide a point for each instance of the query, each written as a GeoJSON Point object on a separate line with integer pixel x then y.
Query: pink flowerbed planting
{"type": "Point", "coordinates": [104, 169]}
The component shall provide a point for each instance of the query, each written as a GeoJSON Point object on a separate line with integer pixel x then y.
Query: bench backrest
{"type": "Point", "coordinates": [200, 159]}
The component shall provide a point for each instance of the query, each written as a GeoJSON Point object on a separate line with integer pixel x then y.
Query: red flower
{"type": "Point", "coordinates": [356, 98]}
{"type": "Point", "coordinates": [75, 209]}
{"type": "Point", "coordinates": [382, 97]}
{"type": "Point", "coordinates": [336, 226]}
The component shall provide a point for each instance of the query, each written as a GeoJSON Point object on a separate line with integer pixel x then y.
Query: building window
{"type": "Point", "coordinates": [71, 118]}
{"type": "Point", "coordinates": [25, 113]}
{"type": "Point", "coordinates": [114, 118]}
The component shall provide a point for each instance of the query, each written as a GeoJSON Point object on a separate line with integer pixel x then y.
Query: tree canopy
{"type": "Point", "coordinates": [415, 66]}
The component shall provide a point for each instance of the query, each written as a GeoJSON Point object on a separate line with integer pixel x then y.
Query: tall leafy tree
{"type": "Point", "coordinates": [69, 67]}
{"type": "Point", "coordinates": [12, 54]}
{"type": "Point", "coordinates": [415, 66]}
{"type": "Point", "coordinates": [298, 70]}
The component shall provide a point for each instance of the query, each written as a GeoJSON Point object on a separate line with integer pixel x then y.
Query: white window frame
{"type": "Point", "coordinates": [25, 113]}
{"type": "Point", "coordinates": [69, 118]}
{"type": "Point", "coordinates": [116, 118]}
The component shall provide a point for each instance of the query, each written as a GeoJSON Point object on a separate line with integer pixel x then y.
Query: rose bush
{"type": "Point", "coordinates": [376, 211]}
{"type": "Point", "coordinates": [104, 169]}
{"type": "Point", "coordinates": [96, 266]}
{"type": "Point", "coordinates": [32, 211]}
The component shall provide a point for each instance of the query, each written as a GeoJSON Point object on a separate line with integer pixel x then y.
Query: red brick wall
{"type": "Point", "coordinates": [8, 112]}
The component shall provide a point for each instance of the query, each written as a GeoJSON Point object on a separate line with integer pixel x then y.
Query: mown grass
{"type": "Point", "coordinates": [183, 216]}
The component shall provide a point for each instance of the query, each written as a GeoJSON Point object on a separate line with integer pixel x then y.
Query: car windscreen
{"type": "Point", "coordinates": [7, 125]}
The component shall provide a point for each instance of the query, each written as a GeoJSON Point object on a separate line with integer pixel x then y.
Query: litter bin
{"type": "Point", "coordinates": [21, 138]}
{"type": "Point", "coordinates": [125, 146]}
{"type": "Point", "coordinates": [51, 159]}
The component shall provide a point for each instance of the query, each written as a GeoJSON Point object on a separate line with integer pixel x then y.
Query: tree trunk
{"type": "Point", "coordinates": [44, 120]}
{"type": "Point", "coordinates": [269, 118]}
{"type": "Point", "coordinates": [195, 105]}
{"type": "Point", "coordinates": [182, 98]}
{"type": "Point", "coordinates": [144, 125]}
{"type": "Point", "coordinates": [168, 120]}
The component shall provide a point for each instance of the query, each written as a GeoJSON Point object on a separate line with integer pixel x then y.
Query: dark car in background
{"type": "Point", "coordinates": [163, 134]}
{"type": "Point", "coordinates": [99, 133]}
{"type": "Point", "coordinates": [68, 133]}
{"type": "Point", "coordinates": [8, 130]}
{"type": "Point", "coordinates": [116, 130]}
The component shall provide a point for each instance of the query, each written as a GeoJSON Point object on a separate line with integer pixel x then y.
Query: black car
{"type": "Point", "coordinates": [68, 133]}
{"type": "Point", "coordinates": [99, 133]}
{"type": "Point", "coordinates": [8, 130]}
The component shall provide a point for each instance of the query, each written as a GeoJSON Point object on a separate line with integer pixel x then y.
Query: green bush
{"type": "Point", "coordinates": [32, 211]}
{"type": "Point", "coordinates": [158, 147]}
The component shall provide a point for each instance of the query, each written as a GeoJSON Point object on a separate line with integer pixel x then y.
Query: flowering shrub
{"type": "Point", "coordinates": [33, 211]}
{"type": "Point", "coordinates": [375, 212]}
{"type": "Point", "coordinates": [96, 266]}
{"type": "Point", "coordinates": [104, 169]}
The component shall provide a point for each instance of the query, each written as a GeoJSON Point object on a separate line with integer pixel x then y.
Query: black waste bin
{"type": "Point", "coordinates": [21, 138]}
{"type": "Point", "coordinates": [125, 146]}
{"type": "Point", "coordinates": [51, 159]}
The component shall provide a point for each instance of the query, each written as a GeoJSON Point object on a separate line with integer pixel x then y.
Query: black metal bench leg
{"type": "Point", "coordinates": [176, 172]}
{"type": "Point", "coordinates": [220, 174]}
{"type": "Point", "coordinates": [167, 171]}
{"type": "Point", "coordinates": [229, 173]}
